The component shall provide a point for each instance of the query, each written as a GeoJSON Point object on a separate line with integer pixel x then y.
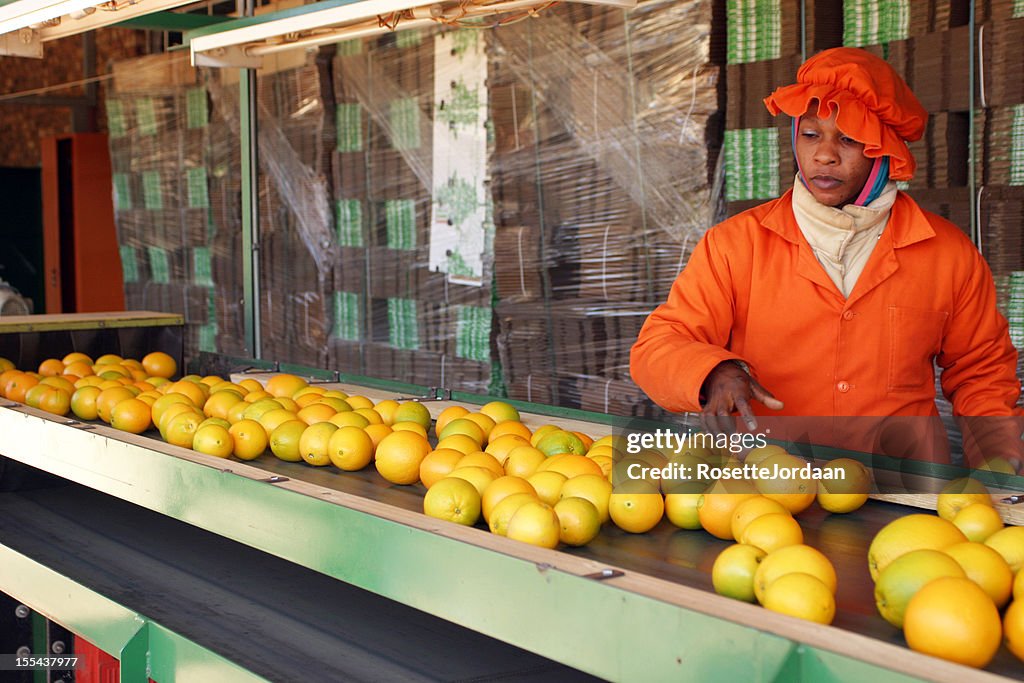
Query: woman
{"type": "Point", "coordinates": [836, 298]}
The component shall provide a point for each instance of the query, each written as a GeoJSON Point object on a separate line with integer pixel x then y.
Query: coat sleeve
{"type": "Point", "coordinates": [686, 337]}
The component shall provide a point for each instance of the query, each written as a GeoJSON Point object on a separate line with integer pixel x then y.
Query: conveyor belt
{"type": "Point", "coordinates": [687, 556]}
{"type": "Point", "coordinates": [275, 618]}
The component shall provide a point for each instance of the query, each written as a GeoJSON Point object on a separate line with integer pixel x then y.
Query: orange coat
{"type": "Point", "coordinates": [753, 291]}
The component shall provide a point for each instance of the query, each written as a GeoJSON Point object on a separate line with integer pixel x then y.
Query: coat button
{"type": "Point", "coordinates": [848, 315]}
{"type": "Point", "coordinates": [843, 387]}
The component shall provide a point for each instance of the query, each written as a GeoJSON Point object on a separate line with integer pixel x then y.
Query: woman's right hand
{"type": "Point", "coordinates": [728, 388]}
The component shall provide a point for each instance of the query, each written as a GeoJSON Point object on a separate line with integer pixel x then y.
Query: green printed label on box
{"type": "Point", "coordinates": [129, 265]}
{"type": "Point", "coordinates": [116, 124]}
{"type": "Point", "coordinates": [870, 22]}
{"type": "Point", "coordinates": [753, 30]}
{"type": "Point", "coordinates": [1018, 9]}
{"type": "Point", "coordinates": [400, 217]}
{"type": "Point", "coordinates": [346, 316]}
{"type": "Point", "coordinates": [473, 333]}
{"type": "Point", "coordinates": [405, 123]}
{"type": "Point", "coordinates": [152, 191]}
{"type": "Point", "coordinates": [1017, 146]}
{"type": "Point", "coordinates": [348, 48]}
{"type": "Point", "coordinates": [211, 306]}
{"type": "Point", "coordinates": [408, 38]}
{"type": "Point", "coordinates": [202, 267]}
{"type": "Point", "coordinates": [145, 113]}
{"type": "Point", "coordinates": [349, 215]}
{"type": "Point", "coordinates": [122, 192]}
{"type": "Point", "coordinates": [751, 163]}
{"type": "Point", "coordinates": [208, 337]}
{"type": "Point", "coordinates": [158, 265]}
{"type": "Point", "coordinates": [198, 194]}
{"type": "Point", "coordinates": [350, 127]}
{"type": "Point", "coordinates": [198, 114]}
{"type": "Point", "coordinates": [403, 326]}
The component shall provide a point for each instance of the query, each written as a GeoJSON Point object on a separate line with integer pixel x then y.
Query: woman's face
{"type": "Point", "coordinates": [833, 164]}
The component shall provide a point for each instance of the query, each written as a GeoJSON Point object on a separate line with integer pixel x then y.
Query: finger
{"type": "Point", "coordinates": [726, 423]}
{"type": "Point", "coordinates": [746, 413]}
{"type": "Point", "coordinates": [764, 396]}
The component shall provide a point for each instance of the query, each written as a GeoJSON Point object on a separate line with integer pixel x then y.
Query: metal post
{"type": "Point", "coordinates": [249, 130]}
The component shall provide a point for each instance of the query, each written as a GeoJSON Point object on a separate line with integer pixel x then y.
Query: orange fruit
{"type": "Point", "coordinates": [796, 493]}
{"type": "Point", "coordinates": [535, 523]}
{"type": "Point", "coordinates": [386, 410]}
{"type": "Point", "coordinates": [376, 432]}
{"type": "Point", "coordinates": [399, 455]}
{"type": "Point", "coordinates": [257, 395]}
{"type": "Point", "coordinates": [636, 513]}
{"type": "Point", "coordinates": [954, 619]}
{"type": "Point", "coordinates": [1009, 543]}
{"type": "Point", "coordinates": [985, 567]}
{"type": "Point", "coordinates": [485, 423]}
{"type": "Point", "coordinates": [593, 487]}
{"type": "Point", "coordinates": [408, 427]}
{"type": "Point", "coordinates": [57, 402]}
{"type": "Point", "coordinates": [412, 411]}
{"type": "Point", "coordinates": [732, 574]}
{"type": "Point", "coordinates": [759, 454]}
{"type": "Point", "coordinates": [260, 408]}
{"type": "Point", "coordinates": [446, 416]}
{"type": "Point", "coordinates": [170, 413]}
{"type": "Point", "coordinates": [285, 385]}
{"type": "Point", "coordinates": [978, 521]}
{"type": "Point", "coordinates": [336, 393]}
{"type": "Point", "coordinates": [284, 440]}
{"type": "Point", "coordinates": [480, 477]}
{"type": "Point", "coordinates": [83, 403]}
{"type": "Point", "coordinates": [801, 595]}
{"type": "Point", "coordinates": [461, 425]}
{"type": "Point", "coordinates": [482, 459]}
{"type": "Point", "coordinates": [452, 499]}
{"type": "Point", "coordinates": [51, 367]}
{"type": "Point", "coordinates": [159, 364]}
{"type": "Point", "coordinates": [793, 558]}
{"type": "Point", "coordinates": [510, 428]}
{"type": "Point", "coordinates": [182, 428]}
{"type": "Point", "coordinates": [907, 533]}
{"type": "Point", "coordinates": [905, 576]}
{"type": "Point", "coordinates": [571, 465]}
{"type": "Point", "coordinates": [848, 492]}
{"type": "Point", "coordinates": [579, 521]}
{"type": "Point", "coordinates": [772, 531]}
{"type": "Point", "coordinates": [681, 509]}
{"type": "Point", "coordinates": [73, 357]}
{"type": "Point", "coordinates": [339, 405]}
{"type": "Point", "coordinates": [750, 509]}
{"type": "Point", "coordinates": [314, 443]}
{"type": "Point", "coordinates": [541, 432]}
{"type": "Point", "coordinates": [348, 418]}
{"type": "Point", "coordinates": [505, 510]}
{"type": "Point", "coordinates": [318, 412]}
{"type": "Point", "coordinates": [220, 402]}
{"type": "Point", "coordinates": [213, 439]}
{"type": "Point", "coordinates": [78, 368]}
{"type": "Point", "coordinates": [33, 395]}
{"type": "Point", "coordinates": [18, 385]}
{"type": "Point", "coordinates": [195, 391]}
{"type": "Point", "coordinates": [350, 449]}
{"type": "Point", "coordinates": [717, 507]}
{"type": "Point", "coordinates": [500, 489]}
{"type": "Point", "coordinates": [250, 439]}
{"type": "Point", "coordinates": [560, 441]}
{"type": "Point", "coordinates": [500, 411]}
{"type": "Point", "coordinates": [272, 419]}
{"type": "Point", "coordinates": [1013, 628]}
{"type": "Point", "coordinates": [438, 464]}
{"type": "Point", "coordinates": [459, 442]}
{"type": "Point", "coordinates": [501, 446]}
{"type": "Point", "coordinates": [130, 415]}
{"type": "Point", "coordinates": [109, 398]}
{"type": "Point", "coordinates": [523, 461]}
{"type": "Point", "coordinates": [355, 402]}
{"type": "Point", "coordinates": [958, 494]}
{"type": "Point", "coordinates": [1018, 586]}
{"type": "Point", "coordinates": [373, 417]}
{"type": "Point", "coordinates": [548, 485]}
{"type": "Point", "coordinates": [250, 384]}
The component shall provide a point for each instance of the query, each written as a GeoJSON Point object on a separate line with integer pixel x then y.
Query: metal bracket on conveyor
{"type": "Point", "coordinates": [9, 405]}
{"type": "Point", "coordinates": [433, 394]}
{"type": "Point", "coordinates": [1013, 500]}
{"type": "Point", "coordinates": [604, 575]}
{"type": "Point", "coordinates": [79, 425]}
{"type": "Point", "coordinates": [335, 379]}
{"type": "Point", "coordinates": [272, 479]}
{"type": "Point", "coordinates": [259, 371]}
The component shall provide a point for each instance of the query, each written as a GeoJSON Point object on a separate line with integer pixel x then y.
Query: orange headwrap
{"type": "Point", "coordinates": [874, 105]}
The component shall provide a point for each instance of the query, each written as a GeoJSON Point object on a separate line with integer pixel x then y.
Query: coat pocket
{"type": "Point", "coordinates": [915, 337]}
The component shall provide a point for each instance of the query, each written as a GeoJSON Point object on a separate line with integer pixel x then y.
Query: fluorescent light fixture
{"type": "Point", "coordinates": [26, 13]}
{"type": "Point", "coordinates": [105, 15]}
{"type": "Point", "coordinates": [244, 42]}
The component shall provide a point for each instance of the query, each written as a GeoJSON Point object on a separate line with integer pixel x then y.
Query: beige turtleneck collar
{"type": "Point", "coordinates": [842, 239]}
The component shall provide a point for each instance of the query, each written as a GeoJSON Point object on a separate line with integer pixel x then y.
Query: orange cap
{"type": "Point", "coordinates": [874, 105]}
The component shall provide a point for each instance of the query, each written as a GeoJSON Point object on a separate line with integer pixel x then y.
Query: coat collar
{"type": "Point", "coordinates": [907, 222]}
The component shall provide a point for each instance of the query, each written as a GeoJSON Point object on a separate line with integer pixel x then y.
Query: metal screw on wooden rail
{"type": "Point", "coordinates": [604, 574]}
{"type": "Point", "coordinates": [274, 479]}
{"type": "Point", "coordinates": [1013, 500]}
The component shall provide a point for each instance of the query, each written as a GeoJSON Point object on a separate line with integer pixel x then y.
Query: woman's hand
{"type": "Point", "coordinates": [729, 388]}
